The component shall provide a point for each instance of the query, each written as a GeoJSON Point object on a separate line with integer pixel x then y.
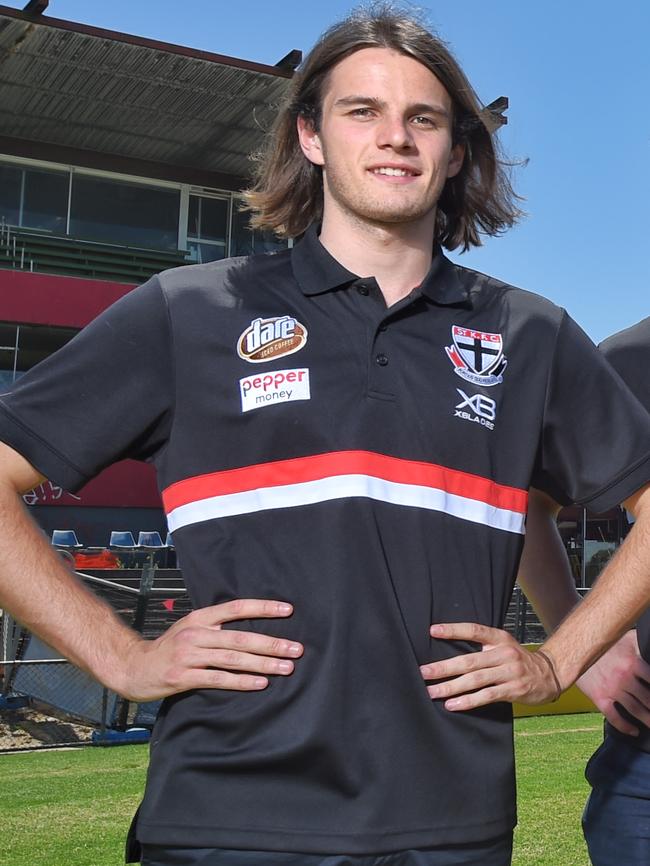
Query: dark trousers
{"type": "Point", "coordinates": [616, 820]}
{"type": "Point", "coordinates": [497, 852]}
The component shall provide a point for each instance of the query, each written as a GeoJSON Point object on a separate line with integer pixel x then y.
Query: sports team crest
{"type": "Point", "coordinates": [477, 356]}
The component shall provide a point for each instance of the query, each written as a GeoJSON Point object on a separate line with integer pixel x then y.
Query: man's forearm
{"type": "Point", "coordinates": [40, 591]}
{"type": "Point", "coordinates": [619, 596]}
{"type": "Point", "coordinates": [195, 652]}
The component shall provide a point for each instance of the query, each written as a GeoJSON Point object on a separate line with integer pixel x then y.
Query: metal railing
{"type": "Point", "coordinates": [31, 672]}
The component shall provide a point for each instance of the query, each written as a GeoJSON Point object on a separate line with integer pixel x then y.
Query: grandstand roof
{"type": "Point", "coordinates": [74, 86]}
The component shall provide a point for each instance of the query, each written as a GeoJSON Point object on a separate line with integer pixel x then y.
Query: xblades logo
{"type": "Point", "coordinates": [484, 409]}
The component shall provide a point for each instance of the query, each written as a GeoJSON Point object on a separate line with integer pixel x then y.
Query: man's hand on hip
{"type": "Point", "coordinates": [622, 677]}
{"type": "Point", "coordinates": [198, 653]}
{"type": "Point", "coordinates": [503, 670]}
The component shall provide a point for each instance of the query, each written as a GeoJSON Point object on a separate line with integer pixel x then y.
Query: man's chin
{"type": "Point", "coordinates": [394, 217]}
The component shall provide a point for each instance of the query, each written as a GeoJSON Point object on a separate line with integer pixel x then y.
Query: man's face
{"type": "Point", "coordinates": [385, 139]}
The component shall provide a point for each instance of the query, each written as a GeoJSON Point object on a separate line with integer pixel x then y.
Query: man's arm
{"type": "Point", "coordinates": [544, 571]}
{"type": "Point", "coordinates": [504, 671]}
{"type": "Point", "coordinates": [619, 676]}
{"type": "Point", "coordinates": [40, 591]}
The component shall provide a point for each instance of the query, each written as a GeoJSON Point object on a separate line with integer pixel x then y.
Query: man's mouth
{"type": "Point", "coordinates": [394, 172]}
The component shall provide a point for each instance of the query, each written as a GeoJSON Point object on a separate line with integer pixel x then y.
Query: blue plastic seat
{"type": "Point", "coordinates": [65, 538]}
{"type": "Point", "coordinates": [122, 540]}
{"type": "Point", "coordinates": [150, 540]}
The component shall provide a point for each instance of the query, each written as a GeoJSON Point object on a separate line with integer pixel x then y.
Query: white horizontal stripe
{"type": "Point", "coordinates": [344, 487]}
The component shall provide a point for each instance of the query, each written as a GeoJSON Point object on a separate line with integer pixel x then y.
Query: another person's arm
{"type": "Point", "coordinates": [40, 591]}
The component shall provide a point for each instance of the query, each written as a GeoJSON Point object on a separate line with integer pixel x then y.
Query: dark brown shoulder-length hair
{"type": "Point", "coordinates": [287, 191]}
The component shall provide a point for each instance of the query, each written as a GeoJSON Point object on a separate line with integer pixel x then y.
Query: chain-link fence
{"type": "Point", "coordinates": [33, 674]}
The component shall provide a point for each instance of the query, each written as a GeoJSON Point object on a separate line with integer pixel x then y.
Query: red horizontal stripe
{"type": "Point", "coordinates": [301, 469]}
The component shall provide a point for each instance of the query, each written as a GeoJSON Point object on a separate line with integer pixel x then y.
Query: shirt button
{"type": "Point", "coordinates": [363, 289]}
{"type": "Point", "coordinates": [382, 360]}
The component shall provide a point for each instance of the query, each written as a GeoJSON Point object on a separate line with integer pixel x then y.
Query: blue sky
{"type": "Point", "coordinates": [578, 78]}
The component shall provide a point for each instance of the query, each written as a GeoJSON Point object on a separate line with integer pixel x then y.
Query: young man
{"type": "Point", "coordinates": [617, 816]}
{"type": "Point", "coordinates": [616, 821]}
{"type": "Point", "coordinates": [350, 427]}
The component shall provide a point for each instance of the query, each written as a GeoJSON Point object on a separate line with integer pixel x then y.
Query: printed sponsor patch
{"type": "Point", "coordinates": [277, 386]}
{"type": "Point", "coordinates": [477, 356]}
{"type": "Point", "coordinates": [476, 408]}
{"type": "Point", "coordinates": [267, 339]}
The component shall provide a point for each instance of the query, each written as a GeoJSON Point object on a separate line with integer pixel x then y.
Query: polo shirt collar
{"type": "Point", "coordinates": [317, 272]}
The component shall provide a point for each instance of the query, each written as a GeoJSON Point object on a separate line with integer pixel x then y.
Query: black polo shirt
{"type": "Point", "coordinates": [369, 465]}
{"type": "Point", "coordinates": [629, 353]}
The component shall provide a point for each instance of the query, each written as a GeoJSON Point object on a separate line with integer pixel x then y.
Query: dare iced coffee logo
{"type": "Point", "coordinates": [267, 339]}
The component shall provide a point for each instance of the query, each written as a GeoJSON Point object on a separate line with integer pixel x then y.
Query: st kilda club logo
{"type": "Point", "coordinates": [477, 356]}
{"type": "Point", "coordinates": [267, 339]}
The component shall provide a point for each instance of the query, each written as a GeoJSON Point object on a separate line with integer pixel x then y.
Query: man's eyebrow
{"type": "Point", "coordinates": [374, 102]}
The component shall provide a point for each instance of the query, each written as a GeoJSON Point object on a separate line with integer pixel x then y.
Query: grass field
{"type": "Point", "coordinates": [73, 808]}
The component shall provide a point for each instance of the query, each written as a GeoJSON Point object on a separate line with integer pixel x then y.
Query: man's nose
{"type": "Point", "coordinates": [395, 132]}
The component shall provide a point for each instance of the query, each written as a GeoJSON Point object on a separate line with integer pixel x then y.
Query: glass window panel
{"type": "Point", "coordinates": [193, 216]}
{"type": "Point", "coordinates": [245, 241]}
{"type": "Point", "coordinates": [7, 355]}
{"type": "Point", "coordinates": [201, 253]}
{"type": "Point", "coordinates": [45, 204]}
{"type": "Point", "coordinates": [597, 555]}
{"type": "Point", "coordinates": [10, 183]}
{"type": "Point", "coordinates": [37, 342]}
{"type": "Point", "coordinates": [125, 213]}
{"type": "Point", "coordinates": [214, 219]}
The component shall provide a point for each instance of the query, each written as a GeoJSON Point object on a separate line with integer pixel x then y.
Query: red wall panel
{"type": "Point", "coordinates": [124, 485]}
{"type": "Point", "coordinates": [46, 299]}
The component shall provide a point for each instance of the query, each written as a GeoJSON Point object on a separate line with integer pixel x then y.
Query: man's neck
{"type": "Point", "coordinates": [398, 256]}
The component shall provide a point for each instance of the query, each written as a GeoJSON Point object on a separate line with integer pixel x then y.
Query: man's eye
{"type": "Point", "coordinates": [361, 112]}
{"type": "Point", "coordinates": [423, 120]}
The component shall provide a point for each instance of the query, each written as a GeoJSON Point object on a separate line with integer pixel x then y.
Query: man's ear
{"type": "Point", "coordinates": [456, 159]}
{"type": "Point", "coordinates": [310, 143]}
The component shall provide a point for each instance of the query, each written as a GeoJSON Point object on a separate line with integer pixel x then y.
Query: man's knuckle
{"type": "Point", "coordinates": [219, 678]}
{"type": "Point", "coordinates": [232, 658]}
{"type": "Point", "coordinates": [187, 635]}
{"type": "Point", "coordinates": [174, 677]}
{"type": "Point", "coordinates": [239, 638]}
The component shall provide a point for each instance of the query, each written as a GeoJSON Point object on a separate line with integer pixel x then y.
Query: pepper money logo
{"type": "Point", "coordinates": [267, 339]}
{"type": "Point", "coordinates": [477, 356]}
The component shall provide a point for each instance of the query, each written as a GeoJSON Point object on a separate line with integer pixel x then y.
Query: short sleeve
{"type": "Point", "coordinates": [103, 397]}
{"type": "Point", "coordinates": [629, 354]}
{"type": "Point", "coordinates": [595, 441]}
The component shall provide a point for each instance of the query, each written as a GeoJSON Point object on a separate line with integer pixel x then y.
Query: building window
{"type": "Point", "coordinates": [245, 241]}
{"type": "Point", "coordinates": [34, 198]}
{"type": "Point", "coordinates": [23, 346]}
{"type": "Point", "coordinates": [11, 181]}
{"type": "Point", "coordinates": [127, 213]}
{"type": "Point", "coordinates": [45, 201]}
{"type": "Point", "coordinates": [207, 228]}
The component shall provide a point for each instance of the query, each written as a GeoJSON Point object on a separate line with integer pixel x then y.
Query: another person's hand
{"type": "Point", "coordinates": [620, 676]}
{"type": "Point", "coordinates": [503, 670]}
{"type": "Point", "coordinates": [197, 653]}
